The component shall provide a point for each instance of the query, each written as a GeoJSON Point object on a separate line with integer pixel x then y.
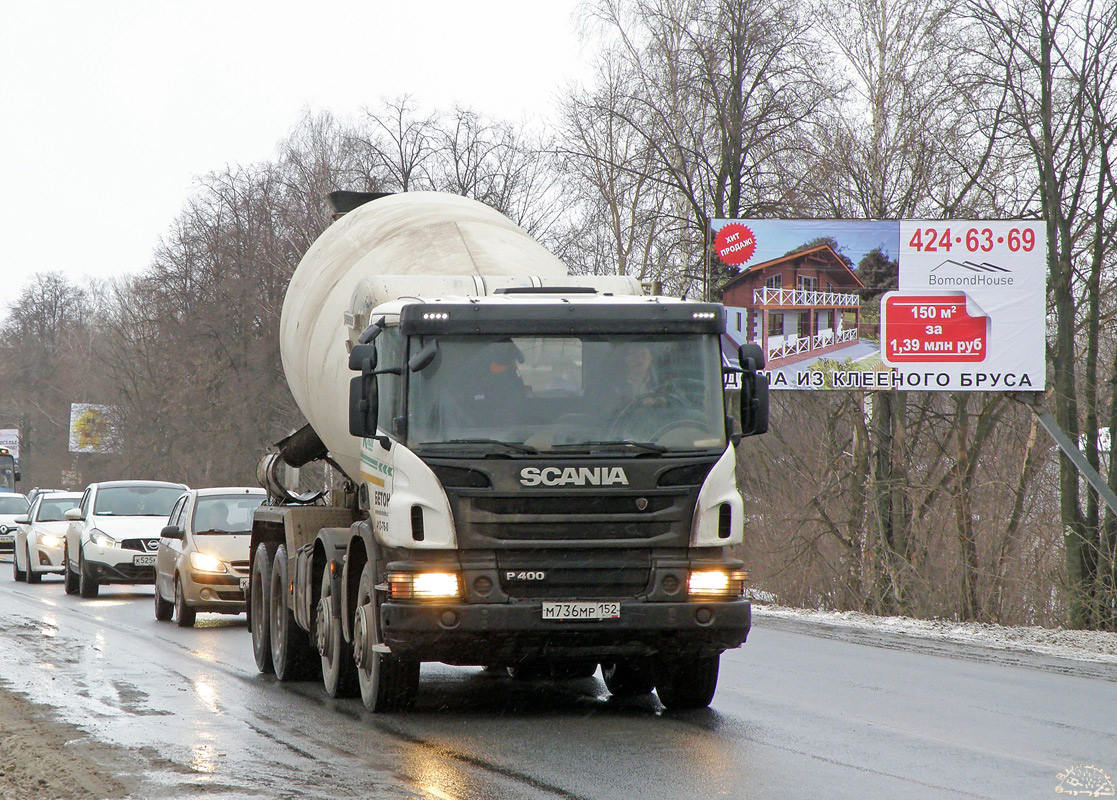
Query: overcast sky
{"type": "Point", "coordinates": [112, 108]}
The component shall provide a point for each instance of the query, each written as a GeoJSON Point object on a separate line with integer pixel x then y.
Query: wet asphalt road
{"type": "Point", "coordinates": [799, 712]}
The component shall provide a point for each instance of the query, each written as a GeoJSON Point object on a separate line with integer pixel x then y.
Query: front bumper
{"type": "Point", "coordinates": [45, 559]}
{"type": "Point", "coordinates": [213, 591]}
{"type": "Point", "coordinates": [487, 633]}
{"type": "Point", "coordinates": [116, 565]}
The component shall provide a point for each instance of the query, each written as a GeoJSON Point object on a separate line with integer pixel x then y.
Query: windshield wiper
{"type": "Point", "coordinates": [629, 444]}
{"type": "Point", "coordinates": [519, 447]}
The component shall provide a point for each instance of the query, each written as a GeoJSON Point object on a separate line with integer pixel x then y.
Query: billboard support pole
{"type": "Point", "coordinates": [1034, 401]}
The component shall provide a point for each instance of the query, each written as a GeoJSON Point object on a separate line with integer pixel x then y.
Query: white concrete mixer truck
{"type": "Point", "coordinates": [536, 470]}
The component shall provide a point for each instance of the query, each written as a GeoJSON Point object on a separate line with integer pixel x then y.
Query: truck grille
{"type": "Point", "coordinates": [652, 517]}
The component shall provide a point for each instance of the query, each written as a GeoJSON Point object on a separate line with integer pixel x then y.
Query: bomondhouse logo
{"type": "Point", "coordinates": [969, 273]}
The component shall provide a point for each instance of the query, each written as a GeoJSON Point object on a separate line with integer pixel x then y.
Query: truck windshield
{"type": "Point", "coordinates": [526, 394]}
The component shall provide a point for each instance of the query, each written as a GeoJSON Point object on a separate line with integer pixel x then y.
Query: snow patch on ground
{"type": "Point", "coordinates": [1095, 646]}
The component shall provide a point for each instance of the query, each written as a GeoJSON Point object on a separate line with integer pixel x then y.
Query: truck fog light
{"type": "Point", "coordinates": [423, 585]}
{"type": "Point", "coordinates": [717, 583]}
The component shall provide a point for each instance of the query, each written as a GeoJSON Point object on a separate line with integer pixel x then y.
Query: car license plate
{"type": "Point", "coordinates": [244, 585]}
{"type": "Point", "coordinates": [7, 538]}
{"type": "Point", "coordinates": [580, 610]}
{"type": "Point", "coordinates": [143, 561]}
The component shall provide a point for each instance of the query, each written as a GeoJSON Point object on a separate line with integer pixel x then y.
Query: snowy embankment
{"type": "Point", "coordinates": [1095, 646]}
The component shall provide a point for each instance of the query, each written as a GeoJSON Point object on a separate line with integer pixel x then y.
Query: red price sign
{"type": "Point", "coordinates": [925, 329]}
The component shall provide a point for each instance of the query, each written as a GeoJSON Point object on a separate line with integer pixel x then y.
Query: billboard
{"type": "Point", "coordinates": [91, 429]}
{"type": "Point", "coordinates": [9, 438]}
{"type": "Point", "coordinates": [946, 305]}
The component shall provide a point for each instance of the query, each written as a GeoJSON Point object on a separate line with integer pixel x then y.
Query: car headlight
{"type": "Point", "coordinates": [204, 562]}
{"type": "Point", "coordinates": [717, 583]}
{"type": "Point", "coordinates": [101, 539]}
{"type": "Point", "coordinates": [423, 585]}
{"type": "Point", "coordinates": [50, 540]}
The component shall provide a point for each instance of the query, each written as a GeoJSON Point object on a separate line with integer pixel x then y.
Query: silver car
{"type": "Point", "coordinates": [202, 560]}
{"type": "Point", "coordinates": [41, 535]}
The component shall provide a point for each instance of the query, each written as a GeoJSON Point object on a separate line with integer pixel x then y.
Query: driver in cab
{"type": "Point", "coordinates": [637, 384]}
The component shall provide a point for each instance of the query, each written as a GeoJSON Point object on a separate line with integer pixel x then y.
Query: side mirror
{"type": "Point", "coordinates": [74, 515]}
{"type": "Point", "coordinates": [362, 358]}
{"type": "Point", "coordinates": [363, 406]}
{"type": "Point", "coordinates": [754, 391]}
{"type": "Point", "coordinates": [424, 357]}
{"type": "Point", "coordinates": [19, 476]}
{"type": "Point", "coordinates": [750, 357]}
{"type": "Point", "coordinates": [171, 532]}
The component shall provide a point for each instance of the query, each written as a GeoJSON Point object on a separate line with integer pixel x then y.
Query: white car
{"type": "Point", "coordinates": [113, 535]}
{"type": "Point", "coordinates": [38, 544]}
{"type": "Point", "coordinates": [12, 505]}
{"type": "Point", "coordinates": [202, 563]}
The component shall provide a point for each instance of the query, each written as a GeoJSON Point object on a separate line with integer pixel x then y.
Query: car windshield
{"type": "Point", "coordinates": [136, 501]}
{"type": "Point", "coordinates": [225, 513]}
{"type": "Point", "coordinates": [13, 504]}
{"type": "Point", "coordinates": [53, 509]}
{"type": "Point", "coordinates": [632, 395]}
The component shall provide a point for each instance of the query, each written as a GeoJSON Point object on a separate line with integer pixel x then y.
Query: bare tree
{"type": "Point", "coordinates": [1054, 62]}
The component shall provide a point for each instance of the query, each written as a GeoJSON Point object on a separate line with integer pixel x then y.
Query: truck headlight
{"type": "Point", "coordinates": [204, 562]}
{"type": "Point", "coordinates": [717, 583]}
{"type": "Point", "coordinates": [50, 540]}
{"type": "Point", "coordinates": [101, 539]}
{"type": "Point", "coordinates": [423, 585]}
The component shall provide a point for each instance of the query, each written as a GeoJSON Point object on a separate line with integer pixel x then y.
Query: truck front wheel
{"type": "Point", "coordinates": [686, 683]}
{"type": "Point", "coordinates": [628, 677]}
{"type": "Point", "coordinates": [387, 682]}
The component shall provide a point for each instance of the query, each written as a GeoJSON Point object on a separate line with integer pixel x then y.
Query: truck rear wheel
{"type": "Point", "coordinates": [291, 655]}
{"type": "Point", "coordinates": [686, 683]}
{"type": "Point", "coordinates": [629, 677]}
{"type": "Point", "coordinates": [387, 682]}
{"type": "Point", "coordinates": [339, 673]}
{"type": "Point", "coordinates": [258, 602]}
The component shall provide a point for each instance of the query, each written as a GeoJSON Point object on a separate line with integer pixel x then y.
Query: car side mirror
{"type": "Point", "coordinates": [171, 532]}
{"type": "Point", "coordinates": [74, 515]}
